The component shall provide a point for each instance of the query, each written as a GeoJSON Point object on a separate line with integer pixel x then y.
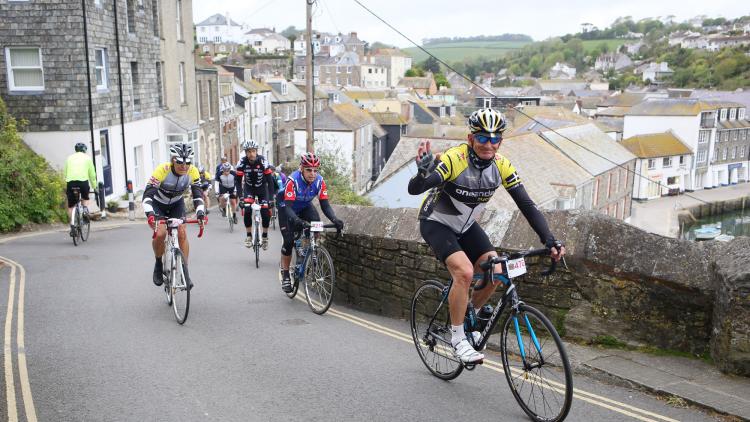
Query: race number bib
{"type": "Point", "coordinates": [516, 267]}
{"type": "Point", "coordinates": [316, 226]}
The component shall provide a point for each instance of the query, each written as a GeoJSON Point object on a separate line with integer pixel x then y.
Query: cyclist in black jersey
{"type": "Point", "coordinates": [253, 167]}
{"type": "Point", "coordinates": [461, 181]}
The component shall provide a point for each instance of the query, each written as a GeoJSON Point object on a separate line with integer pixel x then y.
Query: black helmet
{"type": "Point", "coordinates": [80, 147]}
{"type": "Point", "coordinates": [183, 152]}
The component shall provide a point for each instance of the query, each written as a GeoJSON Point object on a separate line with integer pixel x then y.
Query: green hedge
{"type": "Point", "coordinates": [30, 191]}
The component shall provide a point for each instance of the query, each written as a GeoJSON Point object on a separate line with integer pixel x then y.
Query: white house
{"type": "Point", "coordinates": [373, 76]}
{"type": "Point", "coordinates": [717, 43]}
{"type": "Point", "coordinates": [219, 29]}
{"type": "Point", "coordinates": [266, 41]}
{"type": "Point", "coordinates": [395, 61]}
{"type": "Point", "coordinates": [701, 126]}
{"type": "Point", "coordinates": [615, 61]}
{"type": "Point", "coordinates": [562, 71]}
{"type": "Point", "coordinates": [664, 162]}
{"type": "Point", "coordinates": [657, 72]}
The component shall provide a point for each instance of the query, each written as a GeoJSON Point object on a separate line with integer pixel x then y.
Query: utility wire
{"type": "Point", "coordinates": [517, 109]}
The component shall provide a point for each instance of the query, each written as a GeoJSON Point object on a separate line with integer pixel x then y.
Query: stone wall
{"type": "Point", "coordinates": [640, 288]}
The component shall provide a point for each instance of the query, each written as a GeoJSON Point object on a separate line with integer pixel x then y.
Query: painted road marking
{"type": "Point", "coordinates": [94, 228]}
{"type": "Point", "coordinates": [28, 401]}
{"type": "Point", "coordinates": [604, 402]}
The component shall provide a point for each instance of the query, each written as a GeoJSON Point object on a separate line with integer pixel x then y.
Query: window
{"type": "Point", "coordinates": [156, 17]}
{"type": "Point", "coordinates": [733, 114]}
{"type": "Point", "coordinates": [134, 80]}
{"type": "Point", "coordinates": [287, 112]}
{"type": "Point", "coordinates": [25, 70]}
{"type": "Point", "coordinates": [682, 159]}
{"type": "Point", "coordinates": [100, 67]}
{"type": "Point", "coordinates": [155, 154]}
{"type": "Point", "coordinates": [741, 114]}
{"type": "Point", "coordinates": [735, 133]}
{"type": "Point", "coordinates": [182, 82]}
{"type": "Point", "coordinates": [488, 103]}
{"type": "Point", "coordinates": [734, 153]}
{"type": "Point", "coordinates": [742, 151]}
{"type": "Point", "coordinates": [743, 134]}
{"type": "Point", "coordinates": [179, 20]}
{"type": "Point", "coordinates": [294, 111]}
{"type": "Point", "coordinates": [666, 162]}
{"type": "Point", "coordinates": [159, 84]}
{"type": "Point", "coordinates": [704, 136]}
{"type": "Point", "coordinates": [708, 119]}
{"type": "Point", "coordinates": [651, 164]}
{"type": "Point", "coordinates": [724, 135]}
{"type": "Point", "coordinates": [723, 114]}
{"type": "Point", "coordinates": [724, 154]}
{"type": "Point", "coordinates": [131, 16]}
{"type": "Point", "coordinates": [369, 70]}
{"type": "Point", "coordinates": [138, 166]}
{"type": "Point", "coordinates": [209, 101]}
{"type": "Point", "coordinates": [702, 156]}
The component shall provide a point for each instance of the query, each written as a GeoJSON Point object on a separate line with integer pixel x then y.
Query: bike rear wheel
{"type": "Point", "coordinates": [84, 227]}
{"type": "Point", "coordinates": [431, 330]}
{"type": "Point", "coordinates": [536, 365]}
{"type": "Point", "coordinates": [179, 287]}
{"type": "Point", "coordinates": [76, 226]}
{"type": "Point", "coordinates": [320, 280]}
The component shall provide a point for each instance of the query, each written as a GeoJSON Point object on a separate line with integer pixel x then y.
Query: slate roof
{"type": "Point", "coordinates": [589, 147]}
{"type": "Point", "coordinates": [676, 107]}
{"type": "Point", "coordinates": [654, 145]}
{"type": "Point", "coordinates": [217, 20]}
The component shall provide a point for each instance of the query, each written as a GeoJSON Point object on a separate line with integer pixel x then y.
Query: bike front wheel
{"type": "Point", "coordinates": [179, 287]}
{"type": "Point", "coordinates": [320, 279]}
{"type": "Point", "coordinates": [230, 217]}
{"type": "Point", "coordinates": [256, 245]}
{"type": "Point", "coordinates": [431, 330]}
{"type": "Point", "coordinates": [536, 365]}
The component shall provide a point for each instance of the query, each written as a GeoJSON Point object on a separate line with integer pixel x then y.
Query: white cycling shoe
{"type": "Point", "coordinates": [248, 242]}
{"type": "Point", "coordinates": [466, 353]}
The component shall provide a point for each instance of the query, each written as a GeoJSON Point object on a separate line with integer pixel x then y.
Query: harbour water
{"type": "Point", "coordinates": [735, 223]}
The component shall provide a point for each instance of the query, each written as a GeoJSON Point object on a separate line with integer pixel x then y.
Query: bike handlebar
{"type": "Point", "coordinates": [485, 266]}
{"type": "Point", "coordinates": [164, 220]}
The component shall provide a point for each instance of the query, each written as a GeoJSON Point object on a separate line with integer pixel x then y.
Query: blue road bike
{"type": "Point", "coordinates": [533, 356]}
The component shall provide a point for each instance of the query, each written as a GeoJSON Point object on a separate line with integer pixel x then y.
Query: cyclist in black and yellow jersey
{"type": "Point", "coordinates": [163, 198]}
{"type": "Point", "coordinates": [461, 182]}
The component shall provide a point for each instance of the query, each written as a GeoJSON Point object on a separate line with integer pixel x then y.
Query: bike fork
{"type": "Point", "coordinates": [534, 339]}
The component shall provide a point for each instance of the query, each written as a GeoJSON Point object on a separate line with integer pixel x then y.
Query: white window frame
{"type": "Point", "coordinates": [732, 114]}
{"type": "Point", "coordinates": [651, 164]}
{"type": "Point", "coordinates": [181, 76]}
{"type": "Point", "coordinates": [734, 152]}
{"type": "Point", "coordinates": [10, 68]}
{"type": "Point", "coordinates": [702, 156]}
{"type": "Point", "coordinates": [704, 136]}
{"type": "Point", "coordinates": [741, 114]}
{"type": "Point", "coordinates": [666, 162]}
{"type": "Point", "coordinates": [723, 115]}
{"type": "Point", "coordinates": [742, 151]}
{"type": "Point", "coordinates": [178, 15]}
{"type": "Point", "coordinates": [724, 154]}
{"type": "Point", "coordinates": [103, 68]}
{"type": "Point", "coordinates": [488, 103]}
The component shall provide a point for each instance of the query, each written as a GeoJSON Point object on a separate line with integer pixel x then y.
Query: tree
{"type": "Point", "coordinates": [440, 80]}
{"type": "Point", "coordinates": [431, 65]}
{"type": "Point", "coordinates": [410, 73]}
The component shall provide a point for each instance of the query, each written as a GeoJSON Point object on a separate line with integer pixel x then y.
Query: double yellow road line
{"type": "Point", "coordinates": [578, 394]}
{"type": "Point", "coordinates": [17, 274]}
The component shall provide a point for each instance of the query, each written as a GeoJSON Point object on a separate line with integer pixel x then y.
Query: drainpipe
{"type": "Point", "coordinates": [119, 84]}
{"type": "Point", "coordinates": [91, 108]}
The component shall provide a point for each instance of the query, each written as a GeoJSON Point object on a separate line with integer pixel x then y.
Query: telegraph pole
{"type": "Point", "coordinates": [309, 93]}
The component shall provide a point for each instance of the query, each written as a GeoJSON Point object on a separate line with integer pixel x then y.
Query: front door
{"type": "Point", "coordinates": [106, 162]}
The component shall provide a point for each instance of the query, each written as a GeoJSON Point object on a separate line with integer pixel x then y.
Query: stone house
{"type": "Point", "coordinates": [255, 98]}
{"type": "Point", "coordinates": [43, 79]}
{"type": "Point", "coordinates": [613, 61]}
{"type": "Point", "coordinates": [209, 130]}
{"type": "Point", "coordinates": [421, 85]}
{"type": "Point", "coordinates": [395, 61]}
{"type": "Point", "coordinates": [353, 135]}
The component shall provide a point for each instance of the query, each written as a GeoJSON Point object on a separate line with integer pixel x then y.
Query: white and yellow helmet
{"type": "Point", "coordinates": [487, 120]}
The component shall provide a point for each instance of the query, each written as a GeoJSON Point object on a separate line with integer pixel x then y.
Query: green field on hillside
{"type": "Point", "coordinates": [459, 51]}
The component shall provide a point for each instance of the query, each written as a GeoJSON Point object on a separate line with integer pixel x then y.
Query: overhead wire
{"type": "Point", "coordinates": [517, 109]}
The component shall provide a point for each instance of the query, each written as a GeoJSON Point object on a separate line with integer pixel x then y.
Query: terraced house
{"type": "Point", "coordinates": [117, 75]}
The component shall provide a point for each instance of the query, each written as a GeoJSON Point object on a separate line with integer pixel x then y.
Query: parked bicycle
{"type": "Point", "coordinates": [176, 289]}
{"type": "Point", "coordinates": [533, 356]}
{"type": "Point", "coordinates": [81, 220]}
{"type": "Point", "coordinates": [255, 208]}
{"type": "Point", "coordinates": [312, 264]}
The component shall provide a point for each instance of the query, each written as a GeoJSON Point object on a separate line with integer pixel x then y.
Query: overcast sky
{"type": "Point", "coordinates": [420, 19]}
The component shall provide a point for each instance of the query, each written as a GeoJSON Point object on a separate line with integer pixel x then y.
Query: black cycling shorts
{"type": "Point", "coordinates": [83, 185]}
{"type": "Point", "coordinates": [176, 210]}
{"type": "Point", "coordinates": [444, 242]}
{"type": "Point", "coordinates": [231, 191]}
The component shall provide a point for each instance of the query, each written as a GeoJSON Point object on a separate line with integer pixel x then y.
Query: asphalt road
{"type": "Point", "coordinates": [101, 345]}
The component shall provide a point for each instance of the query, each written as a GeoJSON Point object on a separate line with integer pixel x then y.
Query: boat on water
{"type": "Point", "coordinates": [707, 231]}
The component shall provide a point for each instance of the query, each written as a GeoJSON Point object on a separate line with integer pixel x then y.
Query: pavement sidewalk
{"type": "Point", "coordinates": [659, 215]}
{"type": "Point", "coordinates": [692, 380]}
